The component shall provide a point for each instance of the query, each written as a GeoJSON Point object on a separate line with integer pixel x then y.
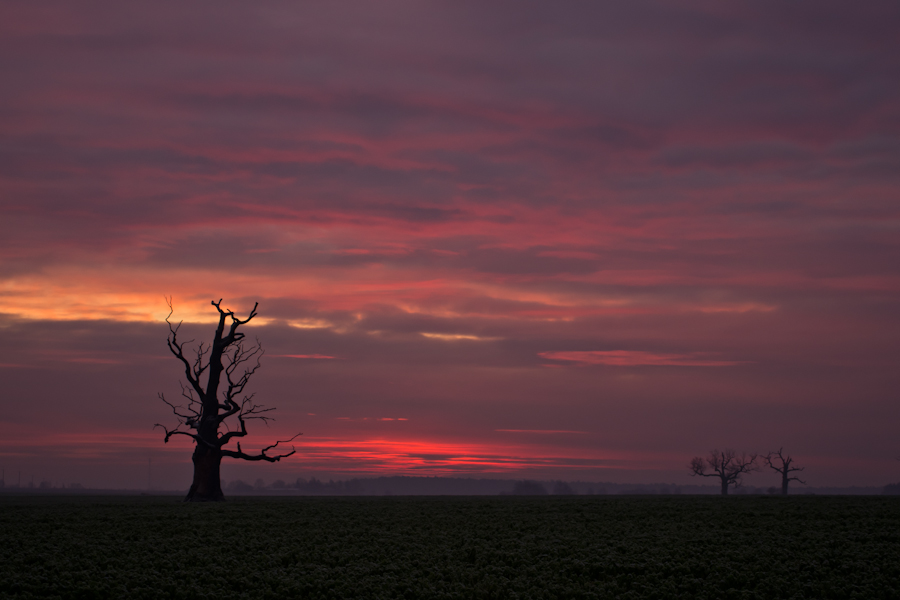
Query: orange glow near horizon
{"type": "Point", "coordinates": [131, 298]}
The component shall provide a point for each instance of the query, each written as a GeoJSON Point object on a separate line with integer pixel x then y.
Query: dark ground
{"type": "Point", "coordinates": [440, 547]}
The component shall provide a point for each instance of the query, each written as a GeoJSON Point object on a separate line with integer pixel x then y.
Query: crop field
{"type": "Point", "coordinates": [426, 547]}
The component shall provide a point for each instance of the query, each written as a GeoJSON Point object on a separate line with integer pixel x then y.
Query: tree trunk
{"type": "Point", "coordinates": [784, 484]}
{"type": "Point", "coordinates": [724, 487]}
{"type": "Point", "coordinates": [207, 486]}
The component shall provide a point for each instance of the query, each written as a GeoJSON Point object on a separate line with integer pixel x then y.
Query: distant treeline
{"type": "Point", "coordinates": [458, 486]}
{"type": "Point", "coordinates": [450, 486]}
{"type": "Point", "coordinates": [453, 486]}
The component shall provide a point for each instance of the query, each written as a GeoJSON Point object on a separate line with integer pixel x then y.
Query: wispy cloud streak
{"type": "Point", "coordinates": [636, 358]}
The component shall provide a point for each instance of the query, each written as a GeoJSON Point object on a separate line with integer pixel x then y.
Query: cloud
{"type": "Point", "coordinates": [451, 337]}
{"type": "Point", "coordinates": [310, 356]}
{"type": "Point", "coordinates": [636, 358]}
{"type": "Point", "coordinates": [539, 431]}
{"type": "Point", "coordinates": [434, 196]}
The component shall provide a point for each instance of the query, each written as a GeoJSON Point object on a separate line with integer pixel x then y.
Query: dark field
{"type": "Point", "coordinates": [549, 547]}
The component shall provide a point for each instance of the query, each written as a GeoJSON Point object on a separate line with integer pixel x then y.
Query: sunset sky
{"type": "Point", "coordinates": [580, 240]}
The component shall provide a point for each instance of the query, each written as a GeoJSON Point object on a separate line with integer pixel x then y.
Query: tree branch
{"type": "Point", "coordinates": [726, 465]}
{"type": "Point", "coordinates": [245, 412]}
{"type": "Point", "coordinates": [191, 419]}
{"type": "Point", "coordinates": [233, 334]}
{"type": "Point", "coordinates": [237, 357]}
{"type": "Point", "coordinates": [262, 455]}
{"type": "Point", "coordinates": [698, 468]}
{"type": "Point", "coordinates": [176, 431]}
{"type": "Point", "coordinates": [226, 437]}
{"type": "Point", "coordinates": [178, 350]}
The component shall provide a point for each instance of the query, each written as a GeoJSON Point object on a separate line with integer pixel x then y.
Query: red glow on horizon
{"type": "Point", "coordinates": [381, 456]}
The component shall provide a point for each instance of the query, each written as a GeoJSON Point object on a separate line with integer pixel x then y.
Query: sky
{"type": "Point", "coordinates": [579, 241]}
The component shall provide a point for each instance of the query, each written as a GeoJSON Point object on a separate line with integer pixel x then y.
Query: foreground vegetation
{"type": "Point", "coordinates": [556, 547]}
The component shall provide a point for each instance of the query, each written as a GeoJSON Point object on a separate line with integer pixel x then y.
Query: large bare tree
{"type": "Point", "coordinates": [207, 410]}
{"type": "Point", "coordinates": [726, 465]}
{"type": "Point", "coordinates": [773, 459]}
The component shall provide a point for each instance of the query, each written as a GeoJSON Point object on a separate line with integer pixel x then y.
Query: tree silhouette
{"type": "Point", "coordinates": [205, 413]}
{"type": "Point", "coordinates": [726, 465]}
{"type": "Point", "coordinates": [784, 468]}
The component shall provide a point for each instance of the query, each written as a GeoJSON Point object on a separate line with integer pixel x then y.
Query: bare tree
{"type": "Point", "coordinates": [206, 412]}
{"type": "Point", "coordinates": [784, 468]}
{"type": "Point", "coordinates": [726, 465]}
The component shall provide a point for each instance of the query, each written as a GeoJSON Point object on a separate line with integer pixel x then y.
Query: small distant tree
{"type": "Point", "coordinates": [777, 461]}
{"type": "Point", "coordinates": [529, 488]}
{"type": "Point", "coordinates": [561, 488]}
{"type": "Point", "coordinates": [239, 485]}
{"type": "Point", "coordinates": [208, 409]}
{"type": "Point", "coordinates": [726, 465]}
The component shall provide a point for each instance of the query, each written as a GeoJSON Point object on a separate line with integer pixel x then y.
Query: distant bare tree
{"type": "Point", "coordinates": [726, 465]}
{"type": "Point", "coordinates": [206, 412]}
{"type": "Point", "coordinates": [773, 458]}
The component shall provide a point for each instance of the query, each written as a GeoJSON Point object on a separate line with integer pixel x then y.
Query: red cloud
{"type": "Point", "coordinates": [310, 356]}
{"type": "Point", "coordinates": [636, 358]}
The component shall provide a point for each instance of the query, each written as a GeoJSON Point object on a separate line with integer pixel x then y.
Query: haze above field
{"type": "Point", "coordinates": [518, 240]}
